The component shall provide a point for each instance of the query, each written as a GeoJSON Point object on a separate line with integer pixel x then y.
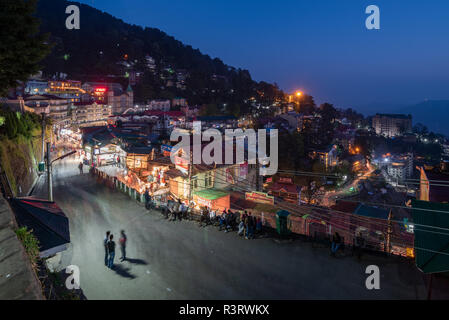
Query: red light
{"type": "Point", "coordinates": [100, 89]}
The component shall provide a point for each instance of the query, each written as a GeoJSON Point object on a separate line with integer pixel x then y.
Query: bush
{"type": "Point", "coordinates": [30, 243]}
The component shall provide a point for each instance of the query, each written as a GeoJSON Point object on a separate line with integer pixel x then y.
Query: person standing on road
{"type": "Point", "coordinates": [336, 242]}
{"type": "Point", "coordinates": [80, 166]}
{"type": "Point", "coordinates": [111, 251]}
{"type": "Point", "coordinates": [105, 243]}
{"type": "Point", "coordinates": [123, 239]}
{"type": "Point", "coordinates": [147, 199]}
{"type": "Point", "coordinates": [359, 245]}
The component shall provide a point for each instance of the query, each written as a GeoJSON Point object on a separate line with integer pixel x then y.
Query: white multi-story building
{"type": "Point", "coordinates": [401, 168]}
{"type": "Point", "coordinates": [391, 125]}
{"type": "Point", "coordinates": [160, 105]}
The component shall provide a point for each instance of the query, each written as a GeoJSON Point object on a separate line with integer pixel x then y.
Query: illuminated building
{"type": "Point", "coordinates": [391, 125]}
{"type": "Point", "coordinates": [91, 114]}
{"type": "Point", "coordinates": [67, 89]}
{"type": "Point", "coordinates": [111, 94]}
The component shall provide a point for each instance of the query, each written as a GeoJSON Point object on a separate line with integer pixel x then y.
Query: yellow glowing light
{"type": "Point", "coordinates": [298, 93]}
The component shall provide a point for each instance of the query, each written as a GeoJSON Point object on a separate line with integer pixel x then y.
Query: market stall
{"type": "Point", "coordinates": [212, 198]}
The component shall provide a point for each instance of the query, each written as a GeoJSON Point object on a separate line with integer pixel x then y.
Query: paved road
{"type": "Point", "coordinates": [179, 260]}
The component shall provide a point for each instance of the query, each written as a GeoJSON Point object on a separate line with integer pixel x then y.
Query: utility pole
{"type": "Point", "coordinates": [43, 137]}
{"type": "Point", "coordinates": [257, 175]}
{"type": "Point", "coordinates": [190, 171]}
{"type": "Point", "coordinates": [49, 169]}
{"type": "Point", "coordinates": [49, 180]}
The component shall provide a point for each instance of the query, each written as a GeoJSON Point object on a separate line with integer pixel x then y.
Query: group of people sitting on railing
{"type": "Point", "coordinates": [245, 224]}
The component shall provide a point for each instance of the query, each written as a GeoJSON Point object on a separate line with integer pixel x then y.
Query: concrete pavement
{"type": "Point", "coordinates": [17, 278]}
{"type": "Point", "coordinates": [179, 260]}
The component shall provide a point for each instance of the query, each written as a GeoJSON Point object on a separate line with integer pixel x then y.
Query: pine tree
{"type": "Point", "coordinates": [21, 45]}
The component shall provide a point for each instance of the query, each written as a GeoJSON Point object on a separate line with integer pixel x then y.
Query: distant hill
{"type": "Point", "coordinates": [434, 114]}
{"type": "Point", "coordinates": [105, 46]}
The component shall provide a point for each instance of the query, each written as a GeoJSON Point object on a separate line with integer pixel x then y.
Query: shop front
{"type": "Point", "coordinates": [213, 199]}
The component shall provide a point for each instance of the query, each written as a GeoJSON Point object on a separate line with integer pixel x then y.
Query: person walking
{"type": "Point", "coordinates": [80, 166]}
{"type": "Point", "coordinates": [111, 251]}
{"type": "Point", "coordinates": [258, 226]}
{"type": "Point", "coordinates": [105, 244]}
{"type": "Point", "coordinates": [241, 228]}
{"type": "Point", "coordinates": [123, 239]}
{"type": "Point", "coordinates": [359, 245]}
{"type": "Point", "coordinates": [336, 242]}
{"type": "Point", "coordinates": [147, 199]}
{"type": "Point", "coordinates": [118, 161]}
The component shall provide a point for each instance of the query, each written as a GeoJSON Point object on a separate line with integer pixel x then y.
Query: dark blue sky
{"type": "Point", "coordinates": [321, 47]}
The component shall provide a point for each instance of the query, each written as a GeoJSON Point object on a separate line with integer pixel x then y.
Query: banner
{"type": "Point", "coordinates": [166, 150]}
{"type": "Point", "coordinates": [182, 164]}
{"type": "Point", "coordinates": [243, 170]}
{"type": "Point", "coordinates": [259, 197]}
{"type": "Point", "coordinates": [285, 180]}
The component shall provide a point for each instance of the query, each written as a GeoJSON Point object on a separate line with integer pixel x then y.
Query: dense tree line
{"type": "Point", "coordinates": [93, 52]}
{"type": "Point", "coordinates": [22, 47]}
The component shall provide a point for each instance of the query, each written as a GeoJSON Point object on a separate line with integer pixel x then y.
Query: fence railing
{"type": "Point", "coordinates": [297, 224]}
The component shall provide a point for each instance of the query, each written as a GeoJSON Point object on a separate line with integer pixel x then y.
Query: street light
{"type": "Point", "coordinates": [49, 170]}
{"type": "Point", "coordinates": [298, 93]}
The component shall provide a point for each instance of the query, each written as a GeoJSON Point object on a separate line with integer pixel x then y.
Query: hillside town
{"type": "Point", "coordinates": [146, 150]}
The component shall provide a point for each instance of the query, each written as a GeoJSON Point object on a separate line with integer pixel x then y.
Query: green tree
{"type": "Point", "coordinates": [21, 47]}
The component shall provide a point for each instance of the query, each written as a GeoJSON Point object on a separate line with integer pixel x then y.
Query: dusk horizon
{"type": "Point", "coordinates": [388, 67]}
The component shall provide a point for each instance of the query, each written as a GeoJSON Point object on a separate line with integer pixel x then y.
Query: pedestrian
{"type": "Point", "coordinates": [258, 225]}
{"type": "Point", "coordinates": [175, 209]}
{"type": "Point", "coordinates": [105, 243]}
{"type": "Point", "coordinates": [204, 216]}
{"type": "Point", "coordinates": [228, 221]}
{"type": "Point", "coordinates": [336, 242]}
{"type": "Point", "coordinates": [123, 239]}
{"type": "Point", "coordinates": [111, 251]}
{"type": "Point", "coordinates": [359, 245]}
{"type": "Point", "coordinates": [222, 220]}
{"type": "Point", "coordinates": [183, 210]}
{"type": "Point", "coordinates": [147, 198]}
{"type": "Point", "coordinates": [241, 228]}
{"type": "Point", "coordinates": [118, 161]}
{"type": "Point", "coordinates": [250, 227]}
{"type": "Point", "coordinates": [80, 166]}
{"type": "Point", "coordinates": [212, 216]}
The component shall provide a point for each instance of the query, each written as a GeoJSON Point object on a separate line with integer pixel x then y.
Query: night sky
{"type": "Point", "coordinates": [321, 47]}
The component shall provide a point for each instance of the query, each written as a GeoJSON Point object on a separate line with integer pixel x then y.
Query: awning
{"type": "Point", "coordinates": [49, 224]}
{"type": "Point", "coordinates": [211, 194]}
{"type": "Point", "coordinates": [431, 236]}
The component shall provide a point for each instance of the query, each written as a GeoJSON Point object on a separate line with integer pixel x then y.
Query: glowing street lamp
{"type": "Point", "coordinates": [298, 93]}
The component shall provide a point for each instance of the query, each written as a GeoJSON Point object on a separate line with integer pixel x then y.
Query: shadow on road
{"type": "Point", "coordinates": [123, 271]}
{"type": "Point", "coordinates": [136, 261]}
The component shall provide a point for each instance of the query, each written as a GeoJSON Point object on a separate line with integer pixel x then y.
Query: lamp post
{"type": "Point", "coordinates": [49, 169]}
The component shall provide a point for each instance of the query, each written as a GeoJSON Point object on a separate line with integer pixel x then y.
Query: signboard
{"type": "Point", "coordinates": [244, 170]}
{"type": "Point", "coordinates": [182, 164]}
{"type": "Point", "coordinates": [285, 180]}
{"type": "Point", "coordinates": [269, 180]}
{"type": "Point", "coordinates": [204, 202]}
{"type": "Point", "coordinates": [259, 197]}
{"type": "Point", "coordinates": [166, 150]}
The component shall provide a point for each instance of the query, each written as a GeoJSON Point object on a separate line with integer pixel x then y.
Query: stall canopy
{"type": "Point", "coordinates": [49, 224]}
{"type": "Point", "coordinates": [431, 235]}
